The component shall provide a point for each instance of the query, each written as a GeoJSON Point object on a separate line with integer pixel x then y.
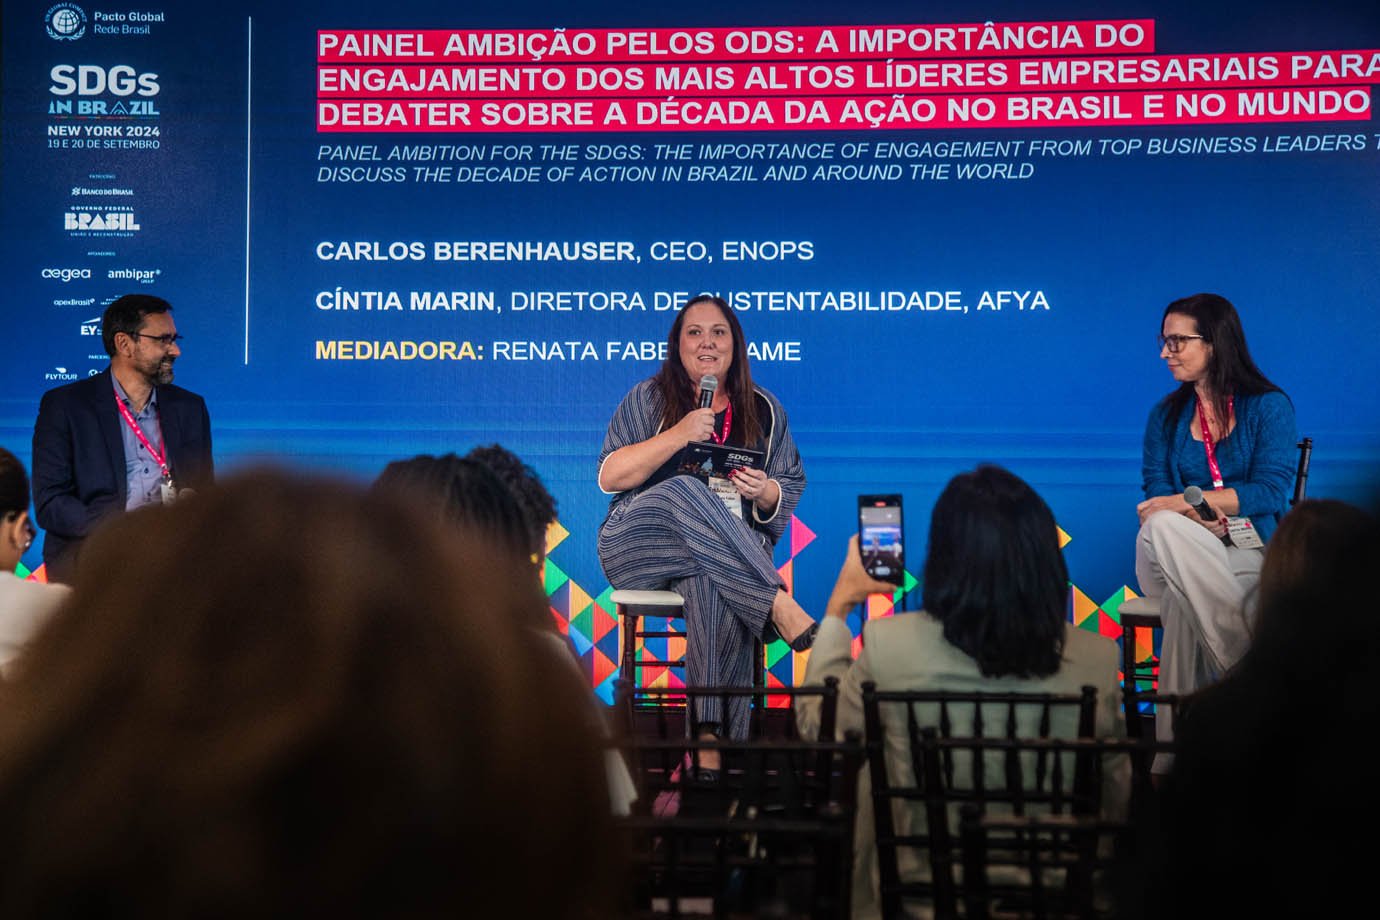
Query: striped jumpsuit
{"type": "Point", "coordinates": [677, 534]}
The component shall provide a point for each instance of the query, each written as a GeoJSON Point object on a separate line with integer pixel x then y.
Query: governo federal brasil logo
{"type": "Point", "coordinates": [65, 21]}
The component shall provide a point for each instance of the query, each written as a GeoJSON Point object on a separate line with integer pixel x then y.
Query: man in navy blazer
{"type": "Point", "coordinates": [121, 439]}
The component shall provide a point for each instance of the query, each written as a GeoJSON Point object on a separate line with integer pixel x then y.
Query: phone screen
{"type": "Point", "coordinates": [880, 537]}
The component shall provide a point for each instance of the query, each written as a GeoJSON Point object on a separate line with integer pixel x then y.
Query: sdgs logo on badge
{"type": "Point", "coordinates": [65, 22]}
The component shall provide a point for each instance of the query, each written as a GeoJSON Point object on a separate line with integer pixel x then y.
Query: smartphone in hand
{"type": "Point", "coordinates": [881, 537]}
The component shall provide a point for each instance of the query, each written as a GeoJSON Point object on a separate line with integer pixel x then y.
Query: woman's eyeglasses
{"type": "Point", "coordinates": [1175, 343]}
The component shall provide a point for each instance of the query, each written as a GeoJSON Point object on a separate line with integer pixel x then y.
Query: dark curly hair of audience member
{"type": "Point", "coordinates": [465, 493]}
{"type": "Point", "coordinates": [290, 698]}
{"type": "Point", "coordinates": [995, 576]}
{"type": "Point", "coordinates": [460, 491]}
{"type": "Point", "coordinates": [538, 506]}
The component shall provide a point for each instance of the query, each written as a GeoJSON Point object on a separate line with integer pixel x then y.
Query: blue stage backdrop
{"type": "Point", "coordinates": [949, 231]}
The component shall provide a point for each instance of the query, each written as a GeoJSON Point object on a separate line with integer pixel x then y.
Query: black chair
{"type": "Point", "coordinates": [1010, 753]}
{"type": "Point", "coordinates": [1144, 613]}
{"type": "Point", "coordinates": [772, 836]}
{"type": "Point", "coordinates": [1059, 864]}
{"type": "Point", "coordinates": [664, 760]}
{"type": "Point", "coordinates": [1061, 859]}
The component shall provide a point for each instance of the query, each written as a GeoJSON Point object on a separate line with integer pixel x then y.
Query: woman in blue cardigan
{"type": "Point", "coordinates": [1231, 432]}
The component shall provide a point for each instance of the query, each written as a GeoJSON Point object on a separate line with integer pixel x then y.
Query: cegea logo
{"type": "Point", "coordinates": [95, 80]}
{"type": "Point", "coordinates": [65, 21]}
{"type": "Point", "coordinates": [66, 274]}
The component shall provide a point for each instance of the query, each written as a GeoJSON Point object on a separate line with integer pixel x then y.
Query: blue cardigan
{"type": "Point", "coordinates": [1257, 458]}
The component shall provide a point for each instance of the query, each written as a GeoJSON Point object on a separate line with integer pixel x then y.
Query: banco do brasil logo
{"type": "Point", "coordinates": [65, 21]}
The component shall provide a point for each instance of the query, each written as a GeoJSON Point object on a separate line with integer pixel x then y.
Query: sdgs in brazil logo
{"type": "Point", "coordinates": [65, 21]}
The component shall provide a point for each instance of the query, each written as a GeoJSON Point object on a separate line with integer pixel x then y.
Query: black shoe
{"type": "Point", "coordinates": [806, 639]}
{"type": "Point", "coordinates": [799, 644]}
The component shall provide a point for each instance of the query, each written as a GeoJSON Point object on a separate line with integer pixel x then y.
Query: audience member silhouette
{"type": "Point", "coordinates": [24, 605]}
{"type": "Point", "coordinates": [465, 491]}
{"type": "Point", "coordinates": [1270, 800]}
{"type": "Point", "coordinates": [288, 698]}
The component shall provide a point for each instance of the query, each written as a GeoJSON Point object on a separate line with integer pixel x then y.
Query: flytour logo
{"type": "Point", "coordinates": [60, 373]}
{"type": "Point", "coordinates": [65, 22]}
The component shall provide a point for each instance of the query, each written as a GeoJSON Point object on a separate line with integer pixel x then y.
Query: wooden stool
{"type": "Point", "coordinates": [631, 606]}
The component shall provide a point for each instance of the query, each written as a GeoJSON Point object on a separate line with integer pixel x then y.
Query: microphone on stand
{"type": "Point", "coordinates": [708, 384]}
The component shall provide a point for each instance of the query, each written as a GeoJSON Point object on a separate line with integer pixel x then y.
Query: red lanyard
{"type": "Point", "coordinates": [1209, 448]}
{"type": "Point", "coordinates": [158, 456]}
{"type": "Point", "coordinates": [728, 426]}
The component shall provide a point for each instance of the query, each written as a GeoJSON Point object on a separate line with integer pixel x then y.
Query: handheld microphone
{"type": "Point", "coordinates": [708, 384]}
{"type": "Point", "coordinates": [1194, 496]}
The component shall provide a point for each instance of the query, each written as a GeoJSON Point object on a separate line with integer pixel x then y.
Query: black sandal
{"type": "Point", "coordinates": [806, 639]}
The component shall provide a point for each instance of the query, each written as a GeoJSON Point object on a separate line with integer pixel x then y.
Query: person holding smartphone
{"type": "Point", "coordinates": [995, 618]}
{"type": "Point", "coordinates": [666, 530]}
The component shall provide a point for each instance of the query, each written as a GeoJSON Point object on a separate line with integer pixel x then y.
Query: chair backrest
{"type": "Point", "coordinates": [1048, 865]}
{"type": "Point", "coordinates": [930, 752]}
{"type": "Point", "coordinates": [772, 836]}
{"type": "Point", "coordinates": [1301, 473]}
{"type": "Point", "coordinates": [1057, 857]}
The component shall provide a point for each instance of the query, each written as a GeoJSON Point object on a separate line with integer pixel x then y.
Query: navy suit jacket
{"type": "Point", "coordinates": [79, 459]}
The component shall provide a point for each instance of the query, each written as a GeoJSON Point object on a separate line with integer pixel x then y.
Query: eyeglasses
{"type": "Point", "coordinates": [1175, 343]}
{"type": "Point", "coordinates": [167, 340]}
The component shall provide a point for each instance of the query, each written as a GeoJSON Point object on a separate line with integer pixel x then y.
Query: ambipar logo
{"type": "Point", "coordinates": [141, 275]}
{"type": "Point", "coordinates": [65, 22]}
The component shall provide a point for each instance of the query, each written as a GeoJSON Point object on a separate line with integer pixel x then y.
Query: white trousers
{"type": "Point", "coordinates": [1207, 602]}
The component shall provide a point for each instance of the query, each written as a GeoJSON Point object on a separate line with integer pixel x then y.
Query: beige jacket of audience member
{"type": "Point", "coordinates": [909, 652]}
{"type": "Point", "coordinates": [24, 607]}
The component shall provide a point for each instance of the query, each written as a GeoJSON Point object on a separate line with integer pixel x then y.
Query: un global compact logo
{"type": "Point", "coordinates": [65, 21]}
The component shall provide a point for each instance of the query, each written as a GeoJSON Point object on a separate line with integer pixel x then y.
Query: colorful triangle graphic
{"type": "Point", "coordinates": [555, 534]}
{"type": "Point", "coordinates": [787, 573]}
{"type": "Point", "coordinates": [553, 576]}
{"type": "Point", "coordinates": [801, 536]}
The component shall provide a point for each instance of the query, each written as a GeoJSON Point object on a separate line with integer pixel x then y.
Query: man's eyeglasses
{"type": "Point", "coordinates": [168, 340]}
{"type": "Point", "coordinates": [1175, 343]}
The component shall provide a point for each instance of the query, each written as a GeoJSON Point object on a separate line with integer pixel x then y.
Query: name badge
{"type": "Point", "coordinates": [167, 492]}
{"type": "Point", "coordinates": [727, 494]}
{"type": "Point", "coordinates": [1243, 533]}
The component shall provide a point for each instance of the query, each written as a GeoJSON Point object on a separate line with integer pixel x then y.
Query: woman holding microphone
{"type": "Point", "coordinates": [1229, 431]}
{"type": "Point", "coordinates": [668, 530]}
